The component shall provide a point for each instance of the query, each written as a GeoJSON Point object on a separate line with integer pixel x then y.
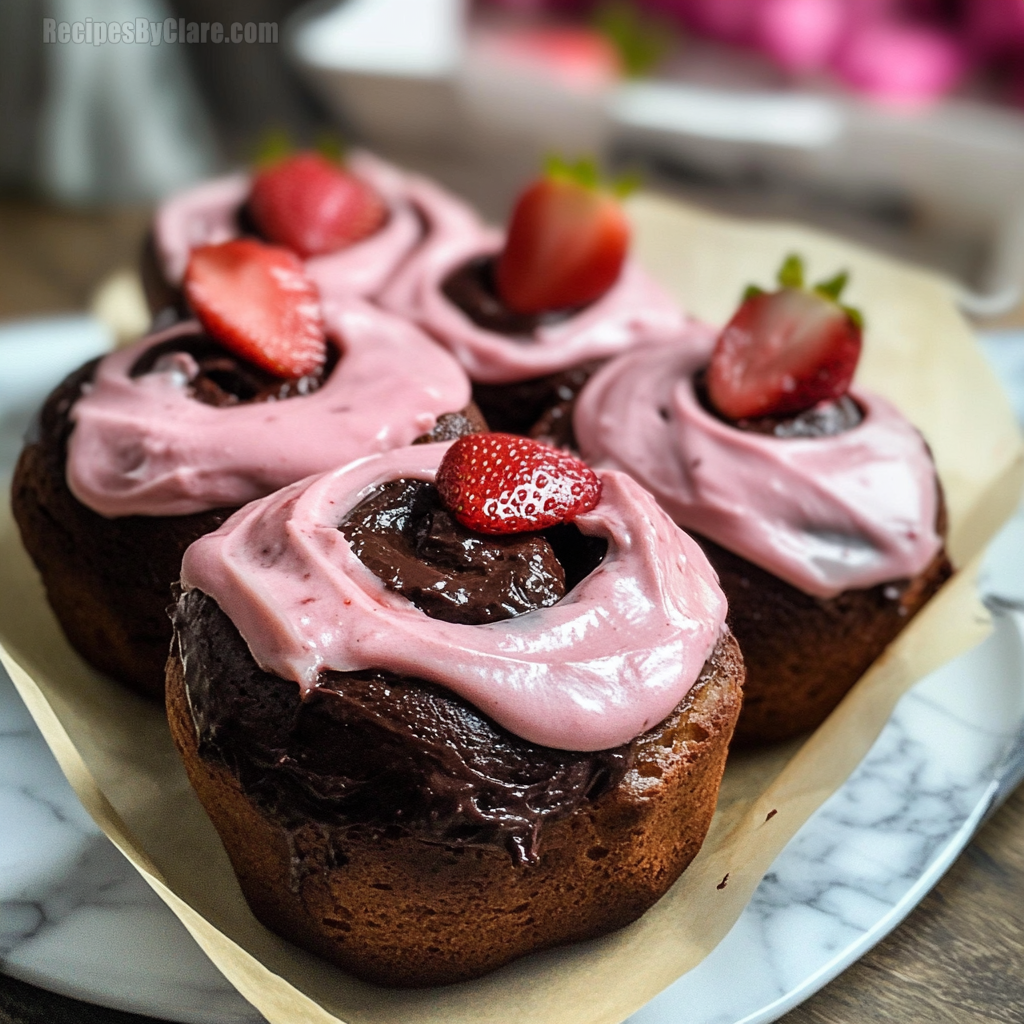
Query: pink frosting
{"type": "Point", "coordinates": [208, 214]}
{"type": "Point", "coordinates": [142, 446]}
{"type": "Point", "coordinates": [606, 663]}
{"type": "Point", "coordinates": [824, 514]}
{"type": "Point", "coordinates": [634, 311]}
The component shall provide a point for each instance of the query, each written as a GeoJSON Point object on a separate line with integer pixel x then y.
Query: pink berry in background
{"type": "Point", "coordinates": [860, 11]}
{"type": "Point", "coordinates": [731, 21]}
{"type": "Point", "coordinates": [800, 35]}
{"type": "Point", "coordinates": [899, 63]}
{"type": "Point", "coordinates": [995, 28]}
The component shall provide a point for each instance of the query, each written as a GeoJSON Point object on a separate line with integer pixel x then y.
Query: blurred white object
{"type": "Point", "coordinates": [958, 167]}
{"type": "Point", "coordinates": [533, 91]}
{"type": "Point", "coordinates": [120, 303]}
{"type": "Point", "coordinates": [113, 122]}
{"type": "Point", "coordinates": [388, 65]}
{"type": "Point", "coordinates": [35, 355]}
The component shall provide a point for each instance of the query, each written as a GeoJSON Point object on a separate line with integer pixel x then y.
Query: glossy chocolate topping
{"type": "Point", "coordinates": [826, 419]}
{"type": "Point", "coordinates": [453, 425]}
{"type": "Point", "coordinates": [471, 287]}
{"type": "Point", "coordinates": [406, 537]}
{"type": "Point", "coordinates": [372, 750]}
{"type": "Point", "coordinates": [540, 407]}
{"type": "Point", "coordinates": [220, 378]}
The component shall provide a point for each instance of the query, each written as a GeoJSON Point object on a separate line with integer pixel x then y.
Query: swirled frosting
{"type": "Point", "coordinates": [634, 311]}
{"type": "Point", "coordinates": [208, 214]}
{"type": "Point", "coordinates": [604, 664]}
{"type": "Point", "coordinates": [141, 445]}
{"type": "Point", "coordinates": [826, 514]}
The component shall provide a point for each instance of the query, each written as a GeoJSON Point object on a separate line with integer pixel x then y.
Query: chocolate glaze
{"type": "Point", "coordinates": [226, 379]}
{"type": "Point", "coordinates": [540, 407]}
{"type": "Point", "coordinates": [370, 750]}
{"type": "Point", "coordinates": [411, 542]}
{"type": "Point", "coordinates": [165, 302]}
{"type": "Point", "coordinates": [826, 419]}
{"type": "Point", "coordinates": [471, 287]}
{"type": "Point", "coordinates": [453, 425]}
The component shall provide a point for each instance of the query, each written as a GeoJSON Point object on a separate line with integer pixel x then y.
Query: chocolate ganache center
{"type": "Point", "coordinates": [412, 543]}
{"type": "Point", "coordinates": [472, 288]}
{"type": "Point", "coordinates": [826, 419]}
{"type": "Point", "coordinates": [374, 750]}
{"type": "Point", "coordinates": [216, 376]}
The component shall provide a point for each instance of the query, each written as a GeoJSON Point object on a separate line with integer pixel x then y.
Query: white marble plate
{"type": "Point", "coordinates": [75, 917]}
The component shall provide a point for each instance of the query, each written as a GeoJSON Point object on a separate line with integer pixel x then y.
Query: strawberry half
{"type": "Point", "coordinates": [256, 300]}
{"type": "Point", "coordinates": [566, 242]}
{"type": "Point", "coordinates": [313, 206]}
{"type": "Point", "coordinates": [503, 483]}
{"type": "Point", "coordinates": [785, 351]}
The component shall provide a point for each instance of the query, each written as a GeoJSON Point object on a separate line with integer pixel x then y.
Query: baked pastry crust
{"type": "Point", "coordinates": [396, 908]}
{"type": "Point", "coordinates": [804, 653]}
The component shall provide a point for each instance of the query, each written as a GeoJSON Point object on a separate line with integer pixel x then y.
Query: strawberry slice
{"type": "Point", "coordinates": [313, 206]}
{"type": "Point", "coordinates": [566, 242]}
{"type": "Point", "coordinates": [785, 351]}
{"type": "Point", "coordinates": [503, 483]}
{"type": "Point", "coordinates": [256, 300]}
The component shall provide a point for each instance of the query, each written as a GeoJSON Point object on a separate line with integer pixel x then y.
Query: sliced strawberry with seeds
{"type": "Point", "coordinates": [567, 240]}
{"type": "Point", "coordinates": [256, 300]}
{"type": "Point", "coordinates": [785, 351]}
{"type": "Point", "coordinates": [503, 483]}
{"type": "Point", "coordinates": [313, 206]}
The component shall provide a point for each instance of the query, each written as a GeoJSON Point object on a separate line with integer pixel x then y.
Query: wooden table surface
{"type": "Point", "coordinates": [957, 959]}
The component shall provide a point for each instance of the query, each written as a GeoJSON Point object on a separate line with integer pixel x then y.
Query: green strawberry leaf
{"type": "Point", "coordinates": [585, 172]}
{"type": "Point", "coordinates": [331, 146]}
{"type": "Point", "coordinates": [833, 288]}
{"type": "Point", "coordinates": [641, 41]}
{"type": "Point", "coordinates": [855, 315]}
{"type": "Point", "coordinates": [791, 273]}
{"type": "Point", "coordinates": [273, 146]}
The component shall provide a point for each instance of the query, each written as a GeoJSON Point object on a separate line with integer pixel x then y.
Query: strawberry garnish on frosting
{"type": "Point", "coordinates": [313, 205]}
{"type": "Point", "coordinates": [257, 301]}
{"type": "Point", "coordinates": [566, 241]}
{"type": "Point", "coordinates": [502, 483]}
{"type": "Point", "coordinates": [785, 351]}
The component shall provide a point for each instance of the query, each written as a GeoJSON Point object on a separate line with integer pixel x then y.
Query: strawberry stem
{"type": "Point", "coordinates": [331, 147]}
{"type": "Point", "coordinates": [854, 314]}
{"type": "Point", "coordinates": [641, 41]}
{"type": "Point", "coordinates": [274, 145]}
{"type": "Point", "coordinates": [585, 172]}
{"type": "Point", "coordinates": [791, 273]}
{"type": "Point", "coordinates": [833, 287]}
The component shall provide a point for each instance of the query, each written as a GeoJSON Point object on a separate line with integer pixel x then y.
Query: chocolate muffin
{"type": "Point", "coordinates": [379, 816]}
{"type": "Point", "coordinates": [825, 526]}
{"type": "Point", "coordinates": [524, 365]}
{"type": "Point", "coordinates": [177, 432]}
{"type": "Point", "coordinates": [220, 209]}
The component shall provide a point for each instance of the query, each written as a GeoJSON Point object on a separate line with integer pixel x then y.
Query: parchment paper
{"type": "Point", "coordinates": [116, 751]}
